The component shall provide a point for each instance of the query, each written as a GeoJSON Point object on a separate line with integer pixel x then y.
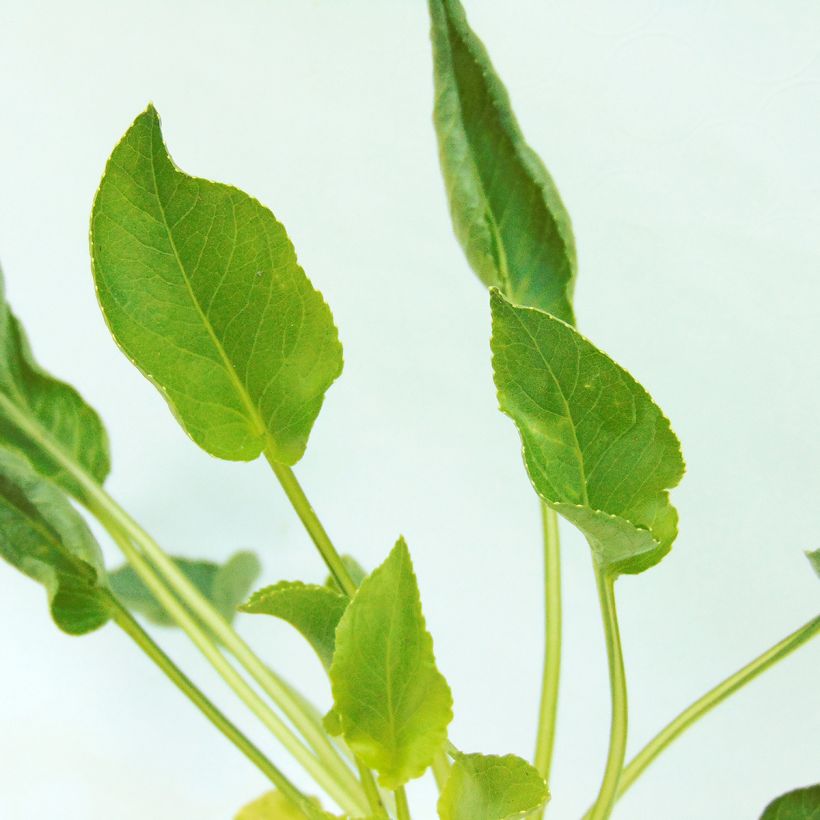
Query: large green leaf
{"type": "Point", "coordinates": [597, 448]}
{"type": "Point", "coordinates": [505, 207]}
{"type": "Point", "coordinates": [800, 804]}
{"type": "Point", "coordinates": [225, 586]}
{"type": "Point", "coordinates": [489, 787]}
{"type": "Point", "coordinates": [201, 289]}
{"type": "Point", "coordinates": [312, 609]}
{"type": "Point", "coordinates": [392, 702]}
{"type": "Point", "coordinates": [43, 536]}
{"type": "Point", "coordinates": [51, 412]}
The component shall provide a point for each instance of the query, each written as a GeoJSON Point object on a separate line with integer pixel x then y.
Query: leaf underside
{"type": "Point", "coordinates": [597, 448]}
{"type": "Point", "coordinates": [490, 787]}
{"type": "Point", "coordinates": [506, 210]}
{"type": "Point", "coordinates": [391, 701]}
{"type": "Point", "coordinates": [43, 536]}
{"type": "Point", "coordinates": [201, 288]}
{"type": "Point", "coordinates": [800, 804]}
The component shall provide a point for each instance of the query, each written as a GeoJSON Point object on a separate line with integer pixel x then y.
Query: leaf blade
{"type": "Point", "coordinates": [201, 288]}
{"type": "Point", "coordinates": [800, 804]}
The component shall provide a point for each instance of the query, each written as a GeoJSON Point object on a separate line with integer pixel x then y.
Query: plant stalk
{"type": "Point", "coordinates": [402, 808]}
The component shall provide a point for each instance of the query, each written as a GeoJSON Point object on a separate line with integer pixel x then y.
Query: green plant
{"type": "Point", "coordinates": [201, 289]}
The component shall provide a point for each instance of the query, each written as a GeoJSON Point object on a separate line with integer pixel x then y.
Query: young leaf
{"type": "Point", "coordinates": [489, 787]}
{"type": "Point", "coordinates": [201, 289]}
{"type": "Point", "coordinates": [273, 806]}
{"type": "Point", "coordinates": [43, 536]}
{"type": "Point", "coordinates": [597, 448]}
{"type": "Point", "coordinates": [814, 560]}
{"type": "Point", "coordinates": [506, 210]}
{"type": "Point", "coordinates": [55, 412]}
{"type": "Point", "coordinates": [225, 586]}
{"type": "Point", "coordinates": [354, 569]}
{"type": "Point", "coordinates": [800, 804]}
{"type": "Point", "coordinates": [312, 609]}
{"type": "Point", "coordinates": [393, 703]}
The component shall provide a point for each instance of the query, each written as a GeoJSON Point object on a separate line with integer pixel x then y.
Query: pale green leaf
{"type": "Point", "coordinates": [312, 609]}
{"type": "Point", "coordinates": [597, 448]}
{"type": "Point", "coordinates": [506, 210]}
{"type": "Point", "coordinates": [490, 787]}
{"type": "Point", "coordinates": [814, 560]}
{"type": "Point", "coordinates": [51, 411]}
{"type": "Point", "coordinates": [393, 703]}
{"type": "Point", "coordinates": [225, 586]}
{"type": "Point", "coordinates": [274, 805]}
{"type": "Point", "coordinates": [43, 536]}
{"type": "Point", "coordinates": [800, 804]}
{"type": "Point", "coordinates": [201, 288]}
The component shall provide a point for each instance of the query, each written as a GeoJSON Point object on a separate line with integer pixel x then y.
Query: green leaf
{"type": "Point", "coordinates": [43, 536]}
{"type": "Point", "coordinates": [489, 787]}
{"type": "Point", "coordinates": [393, 703]}
{"type": "Point", "coordinates": [201, 289]}
{"type": "Point", "coordinates": [354, 569]}
{"type": "Point", "coordinates": [506, 210]}
{"type": "Point", "coordinates": [597, 448]}
{"type": "Point", "coordinates": [51, 411]}
{"type": "Point", "coordinates": [800, 804]}
{"type": "Point", "coordinates": [273, 806]}
{"type": "Point", "coordinates": [313, 610]}
{"type": "Point", "coordinates": [814, 560]}
{"type": "Point", "coordinates": [225, 586]}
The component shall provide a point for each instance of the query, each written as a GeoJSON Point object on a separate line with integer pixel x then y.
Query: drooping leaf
{"type": "Point", "coordinates": [51, 411]}
{"type": "Point", "coordinates": [597, 448]}
{"type": "Point", "coordinates": [274, 805]}
{"type": "Point", "coordinates": [43, 536]}
{"type": "Point", "coordinates": [800, 804]}
{"type": "Point", "coordinates": [312, 609]}
{"type": "Point", "coordinates": [506, 210]}
{"type": "Point", "coordinates": [393, 703]}
{"type": "Point", "coordinates": [354, 569]}
{"type": "Point", "coordinates": [814, 560]}
{"type": "Point", "coordinates": [225, 586]}
{"type": "Point", "coordinates": [490, 787]}
{"type": "Point", "coordinates": [201, 289]}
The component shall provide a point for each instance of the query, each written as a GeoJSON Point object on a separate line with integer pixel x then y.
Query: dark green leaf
{"type": "Point", "coordinates": [814, 560]}
{"type": "Point", "coordinates": [800, 804]}
{"type": "Point", "coordinates": [489, 787]}
{"type": "Point", "coordinates": [225, 586]}
{"type": "Point", "coordinates": [393, 703]}
{"type": "Point", "coordinates": [312, 609]}
{"type": "Point", "coordinates": [506, 210]}
{"type": "Point", "coordinates": [201, 289]}
{"type": "Point", "coordinates": [51, 411]}
{"type": "Point", "coordinates": [43, 536]}
{"type": "Point", "coordinates": [597, 448]}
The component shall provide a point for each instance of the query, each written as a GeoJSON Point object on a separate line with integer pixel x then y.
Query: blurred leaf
{"type": "Point", "coordinates": [354, 570]}
{"type": "Point", "coordinates": [274, 806]}
{"type": "Point", "coordinates": [800, 804]}
{"type": "Point", "coordinates": [814, 560]}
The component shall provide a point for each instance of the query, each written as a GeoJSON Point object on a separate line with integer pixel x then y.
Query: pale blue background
{"type": "Point", "coordinates": [684, 137]}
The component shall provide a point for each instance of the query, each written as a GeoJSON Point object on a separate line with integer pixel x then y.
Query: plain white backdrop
{"type": "Point", "coordinates": [683, 137]}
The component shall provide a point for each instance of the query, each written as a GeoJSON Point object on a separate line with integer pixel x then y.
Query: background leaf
{"type": "Point", "coordinates": [354, 569]}
{"type": "Point", "coordinates": [312, 609]}
{"type": "Point", "coordinates": [393, 703]}
{"type": "Point", "coordinates": [597, 448]}
{"type": "Point", "coordinates": [814, 560]}
{"type": "Point", "coordinates": [800, 804]}
{"type": "Point", "coordinates": [201, 289]}
{"type": "Point", "coordinates": [225, 586]}
{"type": "Point", "coordinates": [506, 210]}
{"type": "Point", "coordinates": [57, 410]}
{"type": "Point", "coordinates": [273, 806]}
{"type": "Point", "coordinates": [43, 536]}
{"type": "Point", "coordinates": [489, 787]}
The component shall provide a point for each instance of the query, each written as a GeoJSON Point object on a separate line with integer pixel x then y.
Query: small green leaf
{"type": "Point", "coordinates": [354, 569]}
{"type": "Point", "coordinates": [800, 804]}
{"type": "Point", "coordinates": [201, 289]}
{"type": "Point", "coordinates": [597, 448]}
{"type": "Point", "coordinates": [506, 210]}
{"type": "Point", "coordinates": [393, 703]}
{"type": "Point", "coordinates": [489, 787]}
{"type": "Point", "coordinates": [273, 806]}
{"type": "Point", "coordinates": [814, 560]}
{"type": "Point", "coordinates": [55, 411]}
{"type": "Point", "coordinates": [43, 536]}
{"type": "Point", "coordinates": [225, 586]}
{"type": "Point", "coordinates": [312, 609]}
{"type": "Point", "coordinates": [332, 723]}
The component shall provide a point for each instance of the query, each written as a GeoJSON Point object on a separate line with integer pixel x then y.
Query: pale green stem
{"type": "Point", "coordinates": [712, 698]}
{"type": "Point", "coordinates": [402, 809]}
{"type": "Point", "coordinates": [371, 790]}
{"type": "Point", "coordinates": [226, 671]}
{"type": "Point", "coordinates": [441, 769]}
{"type": "Point", "coordinates": [617, 684]}
{"type": "Point", "coordinates": [552, 644]}
{"type": "Point", "coordinates": [186, 686]}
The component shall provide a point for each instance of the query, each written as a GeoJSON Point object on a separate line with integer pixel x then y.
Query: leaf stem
{"type": "Point", "coordinates": [617, 685]}
{"type": "Point", "coordinates": [441, 769]}
{"type": "Point", "coordinates": [127, 623]}
{"type": "Point", "coordinates": [371, 790]}
{"type": "Point", "coordinates": [402, 809]}
{"type": "Point", "coordinates": [552, 648]}
{"type": "Point", "coordinates": [712, 698]}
